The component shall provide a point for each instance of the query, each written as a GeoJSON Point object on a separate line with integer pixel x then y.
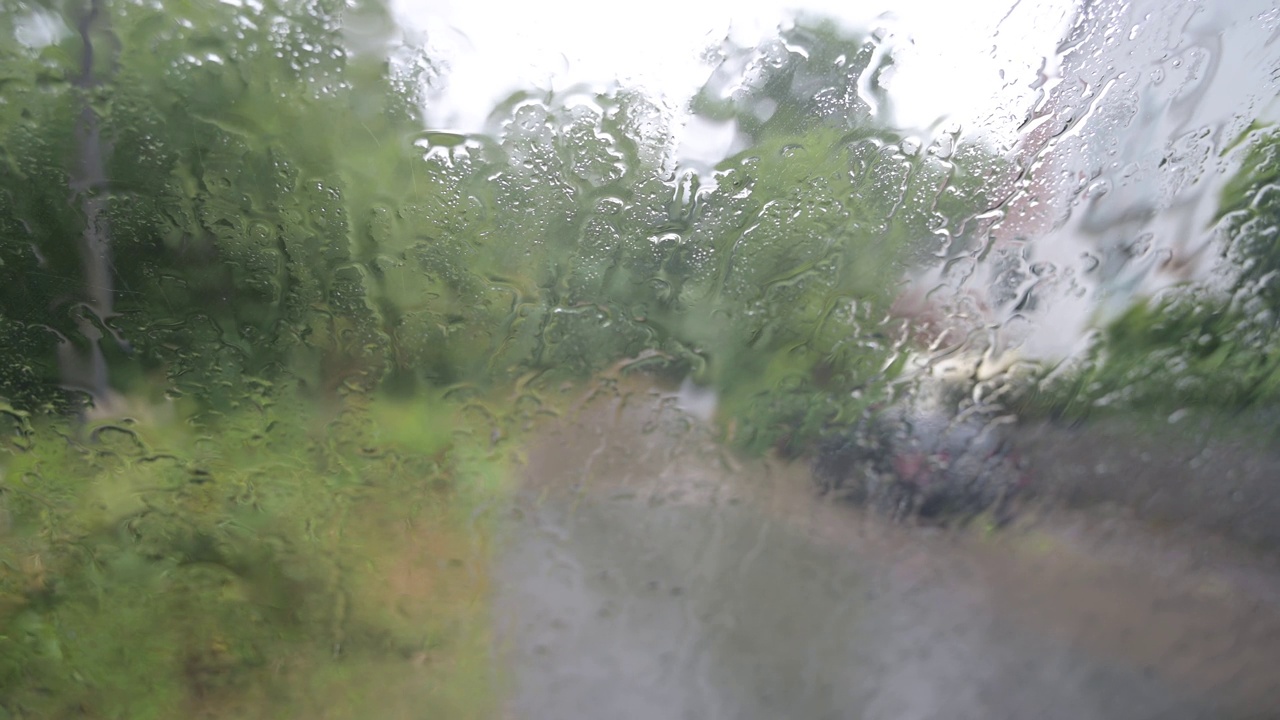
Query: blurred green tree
{"type": "Point", "coordinates": [269, 203]}
{"type": "Point", "coordinates": [1211, 344]}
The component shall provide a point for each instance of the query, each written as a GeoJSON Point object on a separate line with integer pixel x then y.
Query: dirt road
{"type": "Point", "coordinates": [648, 575]}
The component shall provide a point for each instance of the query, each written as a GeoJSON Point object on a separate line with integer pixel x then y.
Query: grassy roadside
{"type": "Point", "coordinates": [282, 560]}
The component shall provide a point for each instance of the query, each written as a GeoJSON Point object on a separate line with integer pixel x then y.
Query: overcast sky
{"type": "Point", "coordinates": [949, 55]}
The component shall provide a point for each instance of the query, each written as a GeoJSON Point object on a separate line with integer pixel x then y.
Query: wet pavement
{"type": "Point", "coordinates": [646, 574]}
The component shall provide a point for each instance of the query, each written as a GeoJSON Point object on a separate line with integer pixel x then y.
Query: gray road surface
{"type": "Point", "coordinates": [647, 576]}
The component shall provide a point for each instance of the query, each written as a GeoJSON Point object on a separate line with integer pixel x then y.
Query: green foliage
{"type": "Point", "coordinates": [1249, 215]}
{"type": "Point", "coordinates": [812, 74]}
{"type": "Point", "coordinates": [1210, 345]}
{"type": "Point", "coordinates": [249, 152]}
{"type": "Point", "coordinates": [275, 211]}
{"type": "Point", "coordinates": [153, 571]}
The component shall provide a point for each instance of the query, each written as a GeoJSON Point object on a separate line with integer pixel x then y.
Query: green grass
{"type": "Point", "coordinates": [286, 560]}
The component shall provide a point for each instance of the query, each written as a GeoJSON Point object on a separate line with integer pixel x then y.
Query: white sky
{"type": "Point", "coordinates": [949, 59]}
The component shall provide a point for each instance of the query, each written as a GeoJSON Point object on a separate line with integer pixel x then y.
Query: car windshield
{"type": "Point", "coordinates": [418, 359]}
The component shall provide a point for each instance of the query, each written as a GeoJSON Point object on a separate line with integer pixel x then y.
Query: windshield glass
{"type": "Point", "coordinates": [685, 360]}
